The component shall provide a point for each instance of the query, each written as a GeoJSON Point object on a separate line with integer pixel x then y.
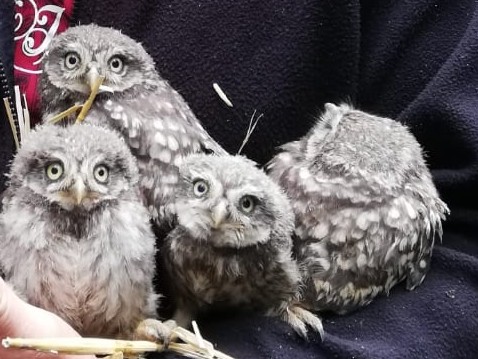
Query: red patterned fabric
{"type": "Point", "coordinates": [36, 22]}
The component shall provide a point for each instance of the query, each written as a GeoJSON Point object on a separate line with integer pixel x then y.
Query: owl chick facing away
{"type": "Point", "coordinates": [75, 238]}
{"type": "Point", "coordinates": [154, 119]}
{"type": "Point", "coordinates": [232, 247]}
{"type": "Point", "coordinates": [366, 209]}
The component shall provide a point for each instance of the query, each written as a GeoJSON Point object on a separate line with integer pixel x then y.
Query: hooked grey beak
{"type": "Point", "coordinates": [78, 190]}
{"type": "Point", "coordinates": [92, 76]}
{"type": "Point", "coordinates": [218, 213]}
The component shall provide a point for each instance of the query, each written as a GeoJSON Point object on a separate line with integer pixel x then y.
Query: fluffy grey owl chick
{"type": "Point", "coordinates": [366, 208]}
{"type": "Point", "coordinates": [232, 246]}
{"type": "Point", "coordinates": [154, 119]}
{"type": "Point", "coordinates": [75, 237]}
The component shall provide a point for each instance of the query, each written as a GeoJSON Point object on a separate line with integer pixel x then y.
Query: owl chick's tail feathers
{"type": "Point", "coordinates": [432, 228]}
{"type": "Point", "coordinates": [300, 318]}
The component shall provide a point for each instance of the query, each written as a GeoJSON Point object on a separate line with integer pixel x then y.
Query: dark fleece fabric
{"type": "Point", "coordinates": [412, 60]}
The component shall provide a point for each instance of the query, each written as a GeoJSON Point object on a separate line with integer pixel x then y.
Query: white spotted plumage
{"type": "Point", "coordinates": [366, 208]}
{"type": "Point", "coordinates": [232, 246]}
{"type": "Point", "coordinates": [154, 119]}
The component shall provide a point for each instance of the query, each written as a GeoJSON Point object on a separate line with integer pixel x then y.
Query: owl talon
{"type": "Point", "coordinates": [299, 318]}
{"type": "Point", "coordinates": [155, 330]}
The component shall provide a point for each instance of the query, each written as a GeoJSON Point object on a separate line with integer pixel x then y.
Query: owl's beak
{"type": "Point", "coordinates": [78, 191]}
{"type": "Point", "coordinates": [92, 76]}
{"type": "Point", "coordinates": [218, 214]}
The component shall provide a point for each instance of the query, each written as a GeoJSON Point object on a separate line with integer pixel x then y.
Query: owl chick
{"type": "Point", "coordinates": [75, 238]}
{"type": "Point", "coordinates": [366, 208]}
{"type": "Point", "coordinates": [154, 119]}
{"type": "Point", "coordinates": [232, 246]}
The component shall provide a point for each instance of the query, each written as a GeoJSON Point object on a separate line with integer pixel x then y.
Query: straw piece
{"type": "Point", "coordinates": [26, 114]}
{"type": "Point", "coordinates": [221, 94]}
{"type": "Point", "coordinates": [81, 346]}
{"type": "Point", "coordinates": [12, 122]}
{"type": "Point", "coordinates": [252, 123]}
{"type": "Point", "coordinates": [199, 338]}
{"type": "Point", "coordinates": [21, 121]}
{"type": "Point", "coordinates": [252, 126]}
{"type": "Point", "coordinates": [65, 113]}
{"type": "Point", "coordinates": [91, 98]}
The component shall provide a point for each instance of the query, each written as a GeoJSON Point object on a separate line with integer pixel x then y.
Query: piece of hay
{"type": "Point", "coordinates": [21, 125]}
{"type": "Point", "coordinates": [11, 120]}
{"type": "Point", "coordinates": [221, 94]}
{"type": "Point", "coordinates": [84, 108]}
{"type": "Point", "coordinates": [252, 123]}
{"type": "Point", "coordinates": [193, 345]}
{"type": "Point", "coordinates": [87, 105]}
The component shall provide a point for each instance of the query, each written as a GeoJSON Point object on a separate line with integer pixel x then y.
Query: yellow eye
{"type": "Point", "coordinates": [101, 173]}
{"type": "Point", "coordinates": [116, 64]}
{"type": "Point", "coordinates": [200, 188]}
{"type": "Point", "coordinates": [72, 60]}
{"type": "Point", "coordinates": [247, 203]}
{"type": "Point", "coordinates": [54, 170]}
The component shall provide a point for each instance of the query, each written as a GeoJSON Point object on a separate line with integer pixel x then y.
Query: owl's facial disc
{"type": "Point", "coordinates": [81, 69]}
{"type": "Point", "coordinates": [78, 189]}
{"type": "Point", "coordinates": [224, 216]}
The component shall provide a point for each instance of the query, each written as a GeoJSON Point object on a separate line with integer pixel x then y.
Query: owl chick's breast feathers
{"type": "Point", "coordinates": [234, 225]}
{"type": "Point", "coordinates": [366, 208]}
{"type": "Point", "coordinates": [75, 237]}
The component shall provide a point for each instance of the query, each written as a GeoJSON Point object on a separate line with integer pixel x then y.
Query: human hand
{"type": "Point", "coordinates": [20, 319]}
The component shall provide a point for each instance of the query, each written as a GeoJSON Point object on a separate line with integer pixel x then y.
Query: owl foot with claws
{"type": "Point", "coordinates": [299, 318]}
{"type": "Point", "coordinates": [156, 331]}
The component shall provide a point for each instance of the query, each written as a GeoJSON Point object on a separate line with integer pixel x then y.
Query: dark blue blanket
{"type": "Point", "coordinates": [413, 60]}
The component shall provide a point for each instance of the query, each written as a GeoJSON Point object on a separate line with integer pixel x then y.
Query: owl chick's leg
{"type": "Point", "coordinates": [185, 313]}
{"type": "Point", "coordinates": [155, 330]}
{"type": "Point", "coordinates": [299, 318]}
{"type": "Point", "coordinates": [183, 317]}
